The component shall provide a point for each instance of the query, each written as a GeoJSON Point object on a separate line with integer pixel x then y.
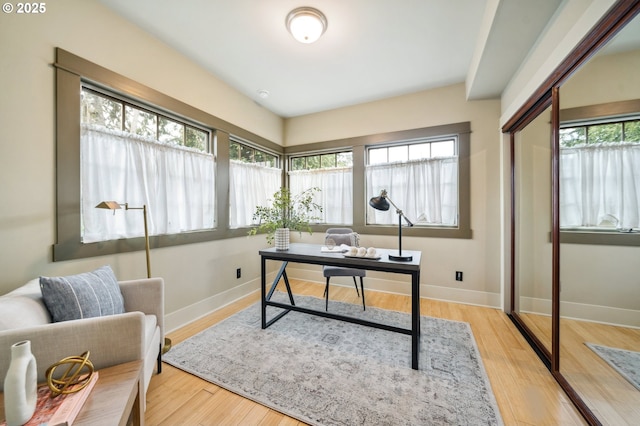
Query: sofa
{"type": "Point", "coordinates": [135, 334]}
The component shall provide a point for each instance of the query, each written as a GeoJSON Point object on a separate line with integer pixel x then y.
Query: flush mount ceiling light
{"type": "Point", "coordinates": [306, 24]}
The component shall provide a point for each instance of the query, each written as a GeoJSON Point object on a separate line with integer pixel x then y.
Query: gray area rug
{"type": "Point", "coordinates": [627, 363]}
{"type": "Point", "coordinates": [328, 372]}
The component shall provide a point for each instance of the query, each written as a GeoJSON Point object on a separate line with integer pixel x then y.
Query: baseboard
{"type": "Point", "coordinates": [582, 311]}
{"type": "Point", "coordinates": [401, 285]}
{"type": "Point", "coordinates": [190, 313]}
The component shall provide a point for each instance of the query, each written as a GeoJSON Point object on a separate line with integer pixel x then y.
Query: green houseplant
{"type": "Point", "coordinates": [286, 213]}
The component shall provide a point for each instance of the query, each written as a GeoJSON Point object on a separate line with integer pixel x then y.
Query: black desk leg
{"type": "Point", "coordinates": [415, 319]}
{"type": "Point", "coordinates": [263, 289]}
{"type": "Point", "coordinates": [282, 273]}
{"type": "Point", "coordinates": [286, 283]}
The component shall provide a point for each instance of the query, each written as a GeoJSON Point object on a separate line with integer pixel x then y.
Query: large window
{"type": "Point", "coordinates": [254, 176]}
{"type": "Point", "coordinates": [135, 155]}
{"type": "Point", "coordinates": [420, 176]}
{"type": "Point", "coordinates": [142, 148]}
{"type": "Point", "coordinates": [600, 175]}
{"type": "Point", "coordinates": [332, 172]}
{"type": "Point", "coordinates": [425, 172]}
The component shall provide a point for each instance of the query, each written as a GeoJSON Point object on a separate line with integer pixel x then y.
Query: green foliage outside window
{"type": "Point", "coordinates": [247, 154]}
{"type": "Point", "coordinates": [622, 131]}
{"type": "Point", "coordinates": [322, 161]}
{"type": "Point", "coordinates": [116, 114]}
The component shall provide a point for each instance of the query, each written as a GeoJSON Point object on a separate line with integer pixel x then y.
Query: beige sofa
{"type": "Point", "coordinates": [136, 334]}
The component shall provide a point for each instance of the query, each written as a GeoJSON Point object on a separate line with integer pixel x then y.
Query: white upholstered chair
{"type": "Point", "coordinates": [350, 238]}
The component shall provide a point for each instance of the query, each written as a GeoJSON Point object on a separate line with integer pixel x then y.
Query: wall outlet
{"type": "Point", "coordinates": [458, 275]}
{"type": "Point", "coordinates": [238, 273]}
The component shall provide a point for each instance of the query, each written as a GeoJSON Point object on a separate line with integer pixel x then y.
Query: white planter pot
{"type": "Point", "coordinates": [282, 239]}
{"type": "Point", "coordinates": [20, 385]}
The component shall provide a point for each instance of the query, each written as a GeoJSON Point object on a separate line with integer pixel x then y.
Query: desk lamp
{"type": "Point", "coordinates": [381, 202]}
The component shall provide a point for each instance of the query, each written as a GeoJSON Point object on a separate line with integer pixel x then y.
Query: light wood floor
{"type": "Point", "coordinates": [525, 391]}
{"type": "Point", "coordinates": [607, 393]}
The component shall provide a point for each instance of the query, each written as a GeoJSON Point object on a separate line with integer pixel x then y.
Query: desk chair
{"type": "Point", "coordinates": [350, 238]}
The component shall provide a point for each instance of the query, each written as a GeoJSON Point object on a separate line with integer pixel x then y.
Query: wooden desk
{"type": "Point", "coordinates": [310, 253]}
{"type": "Point", "coordinates": [114, 400]}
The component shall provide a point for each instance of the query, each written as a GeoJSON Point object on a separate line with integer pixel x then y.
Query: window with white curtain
{"type": "Point", "coordinates": [333, 174]}
{"type": "Point", "coordinates": [600, 176]}
{"type": "Point", "coordinates": [133, 155]}
{"type": "Point", "coordinates": [253, 179]}
{"type": "Point", "coordinates": [421, 177]}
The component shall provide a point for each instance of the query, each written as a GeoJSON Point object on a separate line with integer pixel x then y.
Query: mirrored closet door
{"type": "Point", "coordinates": [600, 229]}
{"type": "Point", "coordinates": [575, 243]}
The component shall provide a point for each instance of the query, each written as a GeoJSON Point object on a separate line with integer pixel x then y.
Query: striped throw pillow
{"type": "Point", "coordinates": [86, 295]}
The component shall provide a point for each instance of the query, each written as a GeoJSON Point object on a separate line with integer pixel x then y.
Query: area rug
{"type": "Point", "coordinates": [627, 363]}
{"type": "Point", "coordinates": [328, 372]}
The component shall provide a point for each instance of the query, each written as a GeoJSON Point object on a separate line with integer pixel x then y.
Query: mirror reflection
{"type": "Point", "coordinates": [600, 195]}
{"type": "Point", "coordinates": [533, 278]}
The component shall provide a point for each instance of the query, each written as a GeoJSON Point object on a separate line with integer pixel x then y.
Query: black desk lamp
{"type": "Point", "coordinates": [382, 203]}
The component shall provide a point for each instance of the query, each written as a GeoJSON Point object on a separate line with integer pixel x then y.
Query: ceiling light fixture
{"type": "Point", "coordinates": [306, 24]}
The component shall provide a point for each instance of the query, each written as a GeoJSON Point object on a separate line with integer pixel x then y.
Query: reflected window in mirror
{"type": "Point", "coordinates": [599, 179]}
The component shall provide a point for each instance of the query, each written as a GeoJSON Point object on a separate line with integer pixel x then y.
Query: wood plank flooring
{"type": "Point", "coordinates": [608, 394]}
{"type": "Point", "coordinates": [525, 391]}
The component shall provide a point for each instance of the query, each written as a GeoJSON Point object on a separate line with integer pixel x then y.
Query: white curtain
{"type": "Point", "coordinates": [336, 192]}
{"type": "Point", "coordinates": [177, 185]}
{"type": "Point", "coordinates": [425, 190]}
{"type": "Point", "coordinates": [600, 185]}
{"type": "Point", "coordinates": [250, 185]}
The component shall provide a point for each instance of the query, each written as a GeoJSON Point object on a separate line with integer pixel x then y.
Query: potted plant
{"type": "Point", "coordinates": [286, 213]}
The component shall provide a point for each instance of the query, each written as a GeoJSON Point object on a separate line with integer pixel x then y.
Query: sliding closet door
{"type": "Point", "coordinates": [532, 231]}
{"type": "Point", "coordinates": [600, 229]}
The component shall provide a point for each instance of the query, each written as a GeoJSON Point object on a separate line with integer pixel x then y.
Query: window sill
{"type": "Point", "coordinates": [416, 231]}
{"type": "Point", "coordinates": [600, 237]}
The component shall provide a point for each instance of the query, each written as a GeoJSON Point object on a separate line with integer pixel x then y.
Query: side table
{"type": "Point", "coordinates": [115, 399]}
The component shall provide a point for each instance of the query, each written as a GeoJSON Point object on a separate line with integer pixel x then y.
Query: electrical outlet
{"type": "Point", "coordinates": [458, 275]}
{"type": "Point", "coordinates": [238, 273]}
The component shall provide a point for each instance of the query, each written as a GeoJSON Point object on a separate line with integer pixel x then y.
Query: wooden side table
{"type": "Point", "coordinates": [115, 399]}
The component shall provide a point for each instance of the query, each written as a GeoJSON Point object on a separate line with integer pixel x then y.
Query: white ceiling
{"type": "Point", "coordinates": [372, 49]}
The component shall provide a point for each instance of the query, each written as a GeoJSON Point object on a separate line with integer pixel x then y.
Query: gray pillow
{"type": "Point", "coordinates": [350, 239]}
{"type": "Point", "coordinates": [91, 294]}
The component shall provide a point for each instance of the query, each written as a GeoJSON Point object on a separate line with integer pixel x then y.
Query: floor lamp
{"type": "Point", "coordinates": [114, 205]}
{"type": "Point", "coordinates": [381, 202]}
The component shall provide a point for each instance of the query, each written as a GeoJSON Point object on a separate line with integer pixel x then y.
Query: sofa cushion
{"type": "Point", "coordinates": [90, 294]}
{"type": "Point", "coordinates": [23, 307]}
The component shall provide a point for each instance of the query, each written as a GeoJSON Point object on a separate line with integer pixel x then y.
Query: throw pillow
{"type": "Point", "coordinates": [91, 294]}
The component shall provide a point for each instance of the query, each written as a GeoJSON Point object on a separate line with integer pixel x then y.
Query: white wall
{"type": "Point", "coordinates": [479, 257]}
{"type": "Point", "coordinates": [197, 273]}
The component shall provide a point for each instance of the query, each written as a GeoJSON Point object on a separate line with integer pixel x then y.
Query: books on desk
{"type": "Point", "coordinates": [61, 410]}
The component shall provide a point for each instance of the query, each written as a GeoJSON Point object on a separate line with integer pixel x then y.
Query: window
{"type": "Point", "coordinates": [420, 176]}
{"type": "Point", "coordinates": [332, 172]}
{"type": "Point", "coordinates": [600, 175]}
{"type": "Point", "coordinates": [138, 116]}
{"type": "Point", "coordinates": [247, 154]}
{"type": "Point", "coordinates": [133, 154]}
{"type": "Point", "coordinates": [254, 176]}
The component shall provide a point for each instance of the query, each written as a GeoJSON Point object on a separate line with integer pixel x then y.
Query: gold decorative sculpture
{"type": "Point", "coordinates": [79, 371]}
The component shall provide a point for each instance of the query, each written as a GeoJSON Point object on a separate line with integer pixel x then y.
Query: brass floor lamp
{"type": "Point", "coordinates": [114, 205]}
